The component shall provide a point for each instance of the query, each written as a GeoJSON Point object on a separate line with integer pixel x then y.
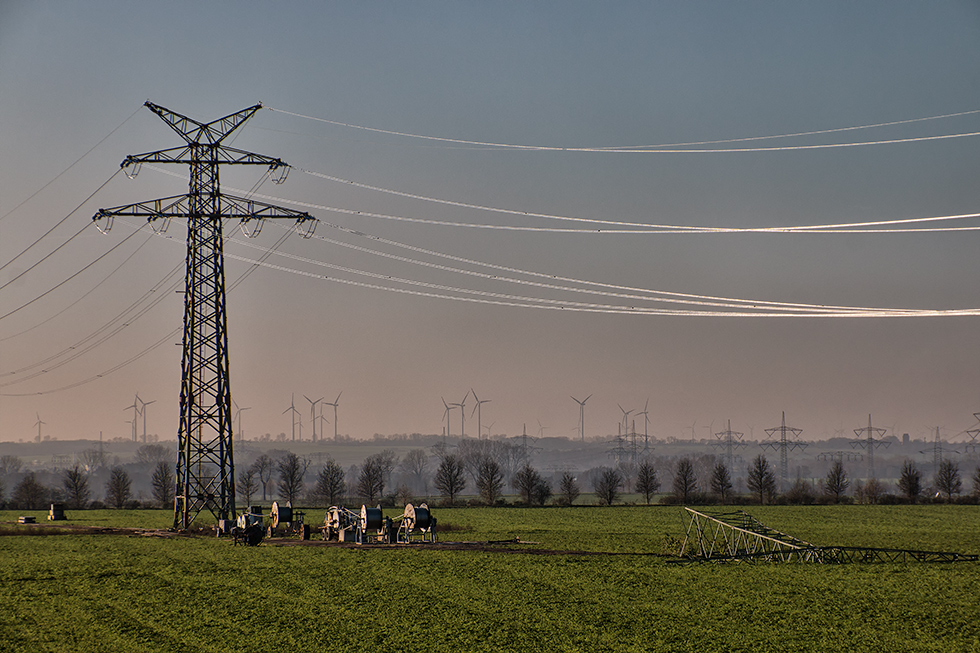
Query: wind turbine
{"type": "Point", "coordinates": [646, 423]}
{"type": "Point", "coordinates": [38, 425]}
{"type": "Point", "coordinates": [143, 406]}
{"type": "Point", "coordinates": [581, 414]}
{"type": "Point", "coordinates": [136, 414]}
{"type": "Point", "coordinates": [313, 414]}
{"type": "Point", "coordinates": [292, 408]}
{"type": "Point", "coordinates": [488, 429]}
{"type": "Point", "coordinates": [462, 415]}
{"type": "Point", "coordinates": [445, 414]}
{"type": "Point", "coordinates": [479, 413]}
{"type": "Point", "coordinates": [238, 419]}
{"type": "Point", "coordinates": [626, 414]}
{"type": "Point", "coordinates": [334, 404]}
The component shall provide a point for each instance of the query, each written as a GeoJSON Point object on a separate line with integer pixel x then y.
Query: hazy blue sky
{"type": "Point", "coordinates": [569, 74]}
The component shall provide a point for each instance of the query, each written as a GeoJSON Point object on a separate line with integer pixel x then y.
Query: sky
{"type": "Point", "coordinates": [566, 76]}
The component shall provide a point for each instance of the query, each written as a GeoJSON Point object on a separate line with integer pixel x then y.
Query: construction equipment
{"type": "Point", "coordinates": [370, 526]}
{"type": "Point", "coordinates": [416, 525]}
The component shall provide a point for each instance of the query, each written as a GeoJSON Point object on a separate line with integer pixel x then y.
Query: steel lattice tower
{"type": "Point", "coordinates": [871, 443]}
{"type": "Point", "coordinates": [205, 471]}
{"type": "Point", "coordinates": [784, 445]}
{"type": "Point", "coordinates": [730, 440]}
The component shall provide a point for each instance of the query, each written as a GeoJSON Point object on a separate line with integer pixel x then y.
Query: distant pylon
{"type": "Point", "coordinates": [784, 445]}
{"type": "Point", "coordinates": [870, 443]}
{"type": "Point", "coordinates": [205, 469]}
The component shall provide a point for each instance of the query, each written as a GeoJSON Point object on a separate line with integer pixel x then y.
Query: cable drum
{"type": "Point", "coordinates": [281, 514]}
{"type": "Point", "coordinates": [417, 517]}
{"type": "Point", "coordinates": [371, 519]}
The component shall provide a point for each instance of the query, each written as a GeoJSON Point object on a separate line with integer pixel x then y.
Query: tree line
{"type": "Point", "coordinates": [483, 470]}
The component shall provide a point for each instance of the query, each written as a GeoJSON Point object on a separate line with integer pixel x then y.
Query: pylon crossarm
{"type": "Point", "coordinates": [245, 210]}
{"type": "Point", "coordinates": [221, 154]}
{"type": "Point", "coordinates": [192, 131]}
{"type": "Point", "coordinates": [165, 207]}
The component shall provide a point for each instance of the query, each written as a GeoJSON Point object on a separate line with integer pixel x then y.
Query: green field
{"type": "Point", "coordinates": [134, 593]}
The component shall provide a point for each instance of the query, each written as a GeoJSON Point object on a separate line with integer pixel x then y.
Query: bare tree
{"type": "Point", "coordinates": [29, 493]}
{"type": "Point", "coordinates": [264, 467]}
{"type": "Point", "coordinates": [761, 478]}
{"type": "Point", "coordinates": [162, 482]}
{"type": "Point", "coordinates": [450, 477]}
{"type": "Point", "coordinates": [685, 484]}
{"type": "Point", "coordinates": [948, 479]}
{"type": "Point", "coordinates": [247, 485]}
{"type": "Point", "coordinates": [414, 464]}
{"type": "Point", "coordinates": [647, 482]}
{"type": "Point", "coordinates": [117, 488]}
{"type": "Point", "coordinates": [836, 482]}
{"type": "Point", "coordinates": [606, 484]}
{"type": "Point", "coordinates": [489, 480]}
{"type": "Point", "coordinates": [151, 454]}
{"type": "Point", "coordinates": [75, 482]}
{"type": "Point", "coordinates": [330, 483]}
{"type": "Point", "coordinates": [568, 490]}
{"type": "Point", "coordinates": [291, 471]}
{"type": "Point", "coordinates": [10, 464]}
{"type": "Point", "coordinates": [388, 459]}
{"type": "Point", "coordinates": [95, 458]}
{"type": "Point", "coordinates": [976, 484]}
{"type": "Point", "coordinates": [371, 478]}
{"type": "Point", "coordinates": [721, 482]}
{"type": "Point", "coordinates": [910, 483]}
{"type": "Point", "coordinates": [870, 492]}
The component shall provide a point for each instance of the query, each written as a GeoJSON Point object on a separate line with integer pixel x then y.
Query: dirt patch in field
{"type": "Point", "coordinates": [42, 529]}
{"type": "Point", "coordinates": [514, 546]}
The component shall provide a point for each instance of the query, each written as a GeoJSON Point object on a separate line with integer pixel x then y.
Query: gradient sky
{"type": "Point", "coordinates": [558, 74]}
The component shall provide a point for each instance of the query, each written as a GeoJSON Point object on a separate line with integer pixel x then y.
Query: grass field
{"type": "Point", "coordinates": [132, 593]}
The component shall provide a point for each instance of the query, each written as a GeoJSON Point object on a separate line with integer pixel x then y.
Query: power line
{"type": "Point", "coordinates": [82, 296]}
{"type": "Point", "coordinates": [668, 148]}
{"type": "Point", "coordinates": [46, 233]}
{"type": "Point", "coordinates": [155, 345]}
{"type": "Point", "coordinates": [650, 295]}
{"type": "Point", "coordinates": [71, 165]}
{"type": "Point", "coordinates": [644, 228]}
{"type": "Point", "coordinates": [503, 299]}
{"type": "Point", "coordinates": [50, 290]}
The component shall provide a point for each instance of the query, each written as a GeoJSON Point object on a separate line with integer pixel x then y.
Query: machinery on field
{"type": "Point", "coordinates": [370, 526]}
{"type": "Point", "coordinates": [285, 519]}
{"type": "Point", "coordinates": [248, 529]}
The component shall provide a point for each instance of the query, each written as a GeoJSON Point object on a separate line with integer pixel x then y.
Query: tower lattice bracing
{"type": "Point", "coordinates": [784, 445]}
{"type": "Point", "coordinates": [205, 470]}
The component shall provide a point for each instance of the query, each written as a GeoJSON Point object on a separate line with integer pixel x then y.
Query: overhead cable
{"type": "Point", "coordinates": [501, 299]}
{"type": "Point", "coordinates": [865, 227]}
{"type": "Point", "coordinates": [668, 148]}
{"type": "Point", "coordinates": [60, 222]}
{"type": "Point", "coordinates": [638, 294]}
{"type": "Point", "coordinates": [52, 289]}
{"type": "Point", "coordinates": [72, 164]}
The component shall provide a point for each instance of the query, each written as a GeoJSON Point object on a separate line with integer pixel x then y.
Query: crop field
{"type": "Point", "coordinates": [583, 579]}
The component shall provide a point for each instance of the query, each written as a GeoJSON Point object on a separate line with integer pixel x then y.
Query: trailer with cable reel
{"type": "Point", "coordinates": [370, 526]}
{"type": "Point", "coordinates": [416, 525]}
{"type": "Point", "coordinates": [291, 521]}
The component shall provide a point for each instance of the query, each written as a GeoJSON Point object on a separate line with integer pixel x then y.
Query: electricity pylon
{"type": "Point", "coordinates": [731, 441]}
{"type": "Point", "coordinates": [783, 446]}
{"type": "Point", "coordinates": [205, 473]}
{"type": "Point", "coordinates": [870, 443]}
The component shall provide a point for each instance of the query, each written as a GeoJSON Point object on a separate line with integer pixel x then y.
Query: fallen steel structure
{"type": "Point", "coordinates": [738, 537]}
